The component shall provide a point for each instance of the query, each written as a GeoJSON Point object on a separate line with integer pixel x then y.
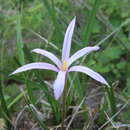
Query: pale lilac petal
{"type": "Point", "coordinates": [49, 55]}
{"type": "Point", "coordinates": [89, 72]}
{"type": "Point", "coordinates": [59, 84]}
{"type": "Point", "coordinates": [37, 65]}
{"type": "Point", "coordinates": [67, 40]}
{"type": "Point", "coordinates": [81, 53]}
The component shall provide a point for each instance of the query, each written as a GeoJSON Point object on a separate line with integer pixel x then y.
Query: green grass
{"type": "Point", "coordinates": [41, 24]}
{"type": "Point", "coordinates": [4, 110]}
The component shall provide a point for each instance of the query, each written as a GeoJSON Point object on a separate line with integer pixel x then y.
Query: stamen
{"type": "Point", "coordinates": [64, 66]}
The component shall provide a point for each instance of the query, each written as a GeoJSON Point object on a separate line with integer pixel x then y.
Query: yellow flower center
{"type": "Point", "coordinates": [64, 66]}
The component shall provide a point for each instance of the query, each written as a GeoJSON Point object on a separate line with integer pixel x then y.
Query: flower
{"type": "Point", "coordinates": [63, 66]}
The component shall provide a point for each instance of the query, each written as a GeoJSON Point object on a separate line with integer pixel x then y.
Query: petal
{"type": "Point", "coordinates": [59, 84]}
{"type": "Point", "coordinates": [49, 55]}
{"type": "Point", "coordinates": [89, 72]}
{"type": "Point", "coordinates": [67, 40]}
{"type": "Point", "coordinates": [81, 53]}
{"type": "Point", "coordinates": [37, 65]}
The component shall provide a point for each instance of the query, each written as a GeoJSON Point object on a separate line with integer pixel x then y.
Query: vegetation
{"type": "Point", "coordinates": [27, 101]}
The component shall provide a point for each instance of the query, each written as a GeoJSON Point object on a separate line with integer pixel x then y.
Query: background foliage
{"type": "Point", "coordinates": [25, 25]}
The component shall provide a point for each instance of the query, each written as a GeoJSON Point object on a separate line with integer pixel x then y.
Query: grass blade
{"type": "Point", "coordinates": [52, 14]}
{"type": "Point", "coordinates": [112, 99]}
{"type": "Point", "coordinates": [91, 19]}
{"type": "Point", "coordinates": [2, 99]}
{"type": "Point", "coordinates": [19, 43]}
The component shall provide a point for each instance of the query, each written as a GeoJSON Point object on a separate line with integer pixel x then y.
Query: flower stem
{"type": "Point", "coordinates": [64, 106]}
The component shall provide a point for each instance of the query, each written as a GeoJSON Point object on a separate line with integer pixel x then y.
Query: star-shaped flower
{"type": "Point", "coordinates": [63, 66]}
